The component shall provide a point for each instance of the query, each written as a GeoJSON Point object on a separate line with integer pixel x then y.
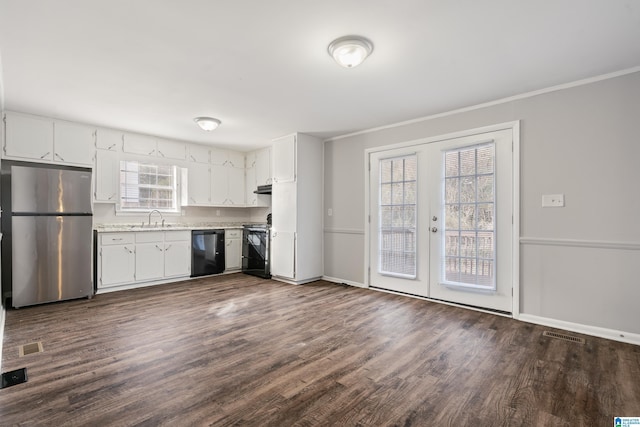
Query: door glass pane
{"type": "Point", "coordinates": [397, 213]}
{"type": "Point", "coordinates": [469, 217]}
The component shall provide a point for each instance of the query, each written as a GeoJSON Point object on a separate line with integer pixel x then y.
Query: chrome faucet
{"type": "Point", "coordinates": [159, 213]}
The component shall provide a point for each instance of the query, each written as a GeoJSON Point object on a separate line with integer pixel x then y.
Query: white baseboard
{"type": "Point", "coordinates": [610, 334]}
{"type": "Point", "coordinates": [295, 282]}
{"type": "Point", "coordinates": [346, 282]}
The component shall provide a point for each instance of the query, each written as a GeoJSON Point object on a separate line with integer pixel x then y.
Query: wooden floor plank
{"type": "Point", "coordinates": [240, 350]}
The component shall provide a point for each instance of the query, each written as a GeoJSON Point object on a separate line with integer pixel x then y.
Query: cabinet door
{"type": "Point", "coordinates": [107, 139]}
{"type": "Point", "coordinates": [219, 184]}
{"type": "Point", "coordinates": [106, 176]}
{"type": "Point", "coordinates": [233, 254]}
{"type": "Point", "coordinates": [117, 265]}
{"type": "Point", "coordinates": [199, 184]}
{"type": "Point", "coordinates": [250, 159]}
{"type": "Point", "coordinates": [283, 245]}
{"type": "Point", "coordinates": [263, 167]}
{"type": "Point", "coordinates": [219, 156]}
{"type": "Point", "coordinates": [28, 137]}
{"type": "Point", "coordinates": [284, 206]}
{"type": "Point", "coordinates": [172, 149]}
{"type": "Point", "coordinates": [139, 144]}
{"type": "Point", "coordinates": [235, 159]}
{"type": "Point", "coordinates": [149, 261]}
{"type": "Point", "coordinates": [177, 259]}
{"type": "Point", "coordinates": [73, 143]}
{"type": "Point", "coordinates": [198, 154]}
{"type": "Point", "coordinates": [235, 177]}
{"type": "Point", "coordinates": [251, 199]}
{"type": "Point", "coordinates": [284, 159]}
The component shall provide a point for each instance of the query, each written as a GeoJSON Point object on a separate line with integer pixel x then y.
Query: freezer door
{"type": "Point", "coordinates": [51, 258]}
{"type": "Point", "coordinates": [44, 190]}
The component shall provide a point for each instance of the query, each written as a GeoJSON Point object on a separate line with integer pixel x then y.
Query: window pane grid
{"type": "Point", "coordinates": [148, 186]}
{"type": "Point", "coordinates": [469, 212]}
{"type": "Point", "coordinates": [397, 216]}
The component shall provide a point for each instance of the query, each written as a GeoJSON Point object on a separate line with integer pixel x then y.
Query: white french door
{"type": "Point", "coordinates": [441, 220]}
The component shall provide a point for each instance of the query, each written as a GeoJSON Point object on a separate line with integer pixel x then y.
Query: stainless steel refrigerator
{"type": "Point", "coordinates": [50, 233]}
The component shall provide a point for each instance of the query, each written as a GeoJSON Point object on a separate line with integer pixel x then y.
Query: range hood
{"type": "Point", "coordinates": [263, 189]}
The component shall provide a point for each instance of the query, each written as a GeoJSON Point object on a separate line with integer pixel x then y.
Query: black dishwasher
{"type": "Point", "coordinates": [207, 252]}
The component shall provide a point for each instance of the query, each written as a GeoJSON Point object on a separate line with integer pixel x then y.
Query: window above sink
{"type": "Point", "coordinates": [146, 185]}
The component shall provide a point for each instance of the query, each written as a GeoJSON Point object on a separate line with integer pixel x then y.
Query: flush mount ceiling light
{"type": "Point", "coordinates": [207, 123]}
{"type": "Point", "coordinates": [350, 51]}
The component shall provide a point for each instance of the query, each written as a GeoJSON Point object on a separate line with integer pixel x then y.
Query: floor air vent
{"type": "Point", "coordinates": [12, 378]}
{"type": "Point", "coordinates": [563, 337]}
{"type": "Point", "coordinates": [34, 347]}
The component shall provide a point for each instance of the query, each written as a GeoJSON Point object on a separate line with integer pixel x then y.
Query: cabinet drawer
{"type": "Point", "coordinates": [116, 238]}
{"type": "Point", "coordinates": [149, 236]}
{"type": "Point", "coordinates": [232, 234]}
{"type": "Point", "coordinates": [177, 236]}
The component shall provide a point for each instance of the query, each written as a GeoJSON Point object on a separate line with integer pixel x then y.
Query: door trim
{"type": "Point", "coordinates": [514, 126]}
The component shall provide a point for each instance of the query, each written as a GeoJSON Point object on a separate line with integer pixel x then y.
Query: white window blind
{"type": "Point", "coordinates": [145, 186]}
{"type": "Point", "coordinates": [397, 216]}
{"type": "Point", "coordinates": [469, 212]}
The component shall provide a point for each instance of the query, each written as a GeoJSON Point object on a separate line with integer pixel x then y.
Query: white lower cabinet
{"type": "Point", "coordinates": [177, 254]}
{"type": "Point", "coordinates": [233, 249]}
{"type": "Point", "coordinates": [283, 243]}
{"type": "Point", "coordinates": [136, 257]}
{"type": "Point", "coordinates": [116, 259]}
{"type": "Point", "coordinates": [149, 255]}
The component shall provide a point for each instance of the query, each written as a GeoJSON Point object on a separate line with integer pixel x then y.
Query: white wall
{"type": "Point", "coordinates": [579, 264]}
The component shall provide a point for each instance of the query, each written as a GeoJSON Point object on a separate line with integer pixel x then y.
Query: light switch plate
{"type": "Point", "coordinates": [553, 200]}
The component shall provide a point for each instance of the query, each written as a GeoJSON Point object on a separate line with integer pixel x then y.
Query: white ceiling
{"type": "Point", "coordinates": [262, 67]}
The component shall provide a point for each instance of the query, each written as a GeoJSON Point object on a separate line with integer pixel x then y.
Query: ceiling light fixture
{"type": "Point", "coordinates": [350, 51]}
{"type": "Point", "coordinates": [207, 123]}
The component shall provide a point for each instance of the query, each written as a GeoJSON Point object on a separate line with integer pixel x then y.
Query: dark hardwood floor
{"type": "Point", "coordinates": [239, 350]}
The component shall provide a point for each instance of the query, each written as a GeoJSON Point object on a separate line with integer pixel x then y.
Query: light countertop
{"type": "Point", "coordinates": [113, 228]}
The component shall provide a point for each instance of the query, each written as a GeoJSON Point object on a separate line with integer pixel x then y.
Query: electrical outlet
{"type": "Point", "coordinates": [217, 212]}
{"type": "Point", "coordinates": [330, 212]}
{"type": "Point", "coordinates": [553, 200]}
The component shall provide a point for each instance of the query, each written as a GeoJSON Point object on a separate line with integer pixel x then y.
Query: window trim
{"type": "Point", "coordinates": [120, 210]}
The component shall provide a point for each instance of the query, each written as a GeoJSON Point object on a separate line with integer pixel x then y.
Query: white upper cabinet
{"type": "Point", "coordinates": [198, 153]}
{"type": "Point", "coordinates": [106, 176]}
{"type": "Point", "coordinates": [28, 137]}
{"type": "Point", "coordinates": [236, 188]}
{"type": "Point", "coordinates": [219, 156]}
{"type": "Point", "coordinates": [235, 159]}
{"type": "Point", "coordinates": [258, 163]}
{"type": "Point", "coordinates": [139, 144]}
{"type": "Point", "coordinates": [263, 166]}
{"type": "Point", "coordinates": [41, 139]}
{"type": "Point", "coordinates": [198, 185]}
{"type": "Point", "coordinates": [73, 143]}
{"type": "Point", "coordinates": [172, 149]}
{"type": "Point", "coordinates": [107, 139]}
{"type": "Point", "coordinates": [227, 186]}
{"type": "Point", "coordinates": [250, 159]}
{"type": "Point", "coordinates": [219, 184]}
{"type": "Point", "coordinates": [223, 157]}
{"type": "Point", "coordinates": [284, 159]}
{"type": "Point", "coordinates": [251, 198]}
